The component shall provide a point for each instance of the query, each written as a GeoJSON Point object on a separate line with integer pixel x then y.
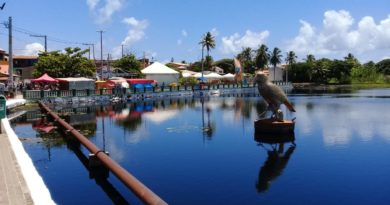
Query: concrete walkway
{"type": "Point", "coordinates": [13, 188]}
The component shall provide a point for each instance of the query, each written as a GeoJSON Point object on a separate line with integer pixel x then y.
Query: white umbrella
{"type": "Point", "coordinates": [229, 75]}
{"type": "Point", "coordinates": [213, 76]}
{"type": "Point", "coordinates": [186, 75]}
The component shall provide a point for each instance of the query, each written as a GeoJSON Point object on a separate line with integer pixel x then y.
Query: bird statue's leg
{"type": "Point", "coordinates": [279, 115]}
{"type": "Point", "coordinates": [273, 109]}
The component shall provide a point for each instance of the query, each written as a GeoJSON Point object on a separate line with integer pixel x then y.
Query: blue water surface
{"type": "Point", "coordinates": [206, 151]}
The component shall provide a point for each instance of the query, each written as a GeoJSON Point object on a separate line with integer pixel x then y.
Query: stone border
{"type": "Point", "coordinates": [38, 190]}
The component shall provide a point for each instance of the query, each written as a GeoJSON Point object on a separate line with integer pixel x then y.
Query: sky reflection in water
{"type": "Point", "coordinates": [189, 152]}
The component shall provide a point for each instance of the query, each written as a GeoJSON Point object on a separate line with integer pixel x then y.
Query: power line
{"type": "Point", "coordinates": [101, 52]}
{"type": "Point", "coordinates": [48, 38]}
{"type": "Point", "coordinates": [42, 36]}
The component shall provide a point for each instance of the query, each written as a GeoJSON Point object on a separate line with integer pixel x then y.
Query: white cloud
{"type": "Point", "coordinates": [234, 43]}
{"type": "Point", "coordinates": [104, 13]}
{"type": "Point", "coordinates": [33, 49]}
{"type": "Point", "coordinates": [179, 42]}
{"type": "Point", "coordinates": [184, 33]}
{"type": "Point", "coordinates": [136, 31]}
{"type": "Point", "coordinates": [214, 32]}
{"type": "Point", "coordinates": [337, 36]}
{"type": "Point", "coordinates": [92, 4]}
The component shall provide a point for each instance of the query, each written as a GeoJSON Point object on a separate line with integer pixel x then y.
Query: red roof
{"type": "Point", "coordinates": [25, 57]}
{"type": "Point", "coordinates": [45, 78]}
{"type": "Point", "coordinates": [140, 81]}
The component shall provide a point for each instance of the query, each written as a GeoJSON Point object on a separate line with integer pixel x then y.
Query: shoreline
{"type": "Point", "coordinates": [334, 86]}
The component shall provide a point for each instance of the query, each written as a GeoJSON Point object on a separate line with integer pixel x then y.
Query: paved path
{"type": "Point", "coordinates": [20, 183]}
{"type": "Point", "coordinates": [13, 188]}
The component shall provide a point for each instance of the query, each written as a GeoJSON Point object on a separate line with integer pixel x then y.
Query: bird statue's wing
{"type": "Point", "coordinates": [289, 106]}
{"type": "Point", "coordinates": [281, 96]}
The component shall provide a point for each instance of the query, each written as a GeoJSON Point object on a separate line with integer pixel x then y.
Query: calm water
{"type": "Point", "coordinates": [193, 151]}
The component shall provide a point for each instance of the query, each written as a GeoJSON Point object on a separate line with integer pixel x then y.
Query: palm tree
{"type": "Point", "coordinates": [276, 58]}
{"type": "Point", "coordinates": [262, 56]}
{"type": "Point", "coordinates": [290, 60]}
{"type": "Point", "coordinates": [310, 58]}
{"type": "Point", "coordinates": [246, 58]}
{"type": "Point", "coordinates": [350, 58]}
{"type": "Point", "coordinates": [207, 41]}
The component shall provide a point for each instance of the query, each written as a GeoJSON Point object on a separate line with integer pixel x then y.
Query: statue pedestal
{"type": "Point", "coordinates": [272, 126]}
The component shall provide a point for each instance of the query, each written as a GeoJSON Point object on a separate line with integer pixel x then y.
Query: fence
{"type": "Point", "coordinates": [44, 94]}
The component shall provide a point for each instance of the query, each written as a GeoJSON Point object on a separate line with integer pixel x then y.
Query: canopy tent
{"type": "Point", "coordinates": [213, 76]}
{"type": "Point", "coordinates": [187, 73]}
{"type": "Point", "coordinates": [80, 83]}
{"type": "Point", "coordinates": [161, 73]}
{"type": "Point", "coordinates": [229, 76]}
{"type": "Point", "coordinates": [198, 75]}
{"type": "Point", "coordinates": [45, 78]}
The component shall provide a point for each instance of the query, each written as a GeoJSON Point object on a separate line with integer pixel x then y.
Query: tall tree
{"type": "Point", "coordinates": [291, 59]}
{"type": "Point", "coordinates": [310, 60]}
{"type": "Point", "coordinates": [246, 58]}
{"type": "Point", "coordinates": [383, 66]}
{"type": "Point", "coordinates": [72, 63]}
{"type": "Point", "coordinates": [276, 58]}
{"type": "Point", "coordinates": [262, 57]}
{"type": "Point", "coordinates": [128, 63]}
{"type": "Point", "coordinates": [226, 64]}
{"type": "Point", "coordinates": [351, 60]}
{"type": "Point", "coordinates": [208, 41]}
{"type": "Point", "coordinates": [321, 70]}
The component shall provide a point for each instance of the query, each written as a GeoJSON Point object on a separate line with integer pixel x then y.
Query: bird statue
{"type": "Point", "coordinates": [273, 95]}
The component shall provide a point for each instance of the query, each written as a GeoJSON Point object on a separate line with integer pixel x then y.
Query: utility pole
{"type": "Point", "coordinates": [93, 50]}
{"type": "Point", "coordinates": [202, 62]}
{"type": "Point", "coordinates": [108, 66]}
{"type": "Point", "coordinates": [41, 36]}
{"type": "Point", "coordinates": [10, 57]}
{"type": "Point", "coordinates": [101, 53]}
{"type": "Point", "coordinates": [122, 50]}
{"type": "Point", "coordinates": [144, 60]}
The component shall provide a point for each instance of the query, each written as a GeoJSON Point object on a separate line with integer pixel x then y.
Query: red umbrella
{"type": "Point", "coordinates": [44, 79]}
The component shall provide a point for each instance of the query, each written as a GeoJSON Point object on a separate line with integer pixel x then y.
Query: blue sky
{"type": "Point", "coordinates": [172, 28]}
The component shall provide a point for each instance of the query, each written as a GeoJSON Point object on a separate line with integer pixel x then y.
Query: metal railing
{"type": "Point", "coordinates": [139, 189]}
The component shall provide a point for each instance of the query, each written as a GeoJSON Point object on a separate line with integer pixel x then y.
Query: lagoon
{"type": "Point", "coordinates": [205, 151]}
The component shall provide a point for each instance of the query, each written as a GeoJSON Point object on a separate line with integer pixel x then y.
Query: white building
{"type": "Point", "coordinates": [161, 73]}
{"type": "Point", "coordinates": [279, 72]}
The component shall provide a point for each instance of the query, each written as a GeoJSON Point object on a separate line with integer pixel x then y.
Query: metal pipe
{"type": "Point", "coordinates": [139, 189]}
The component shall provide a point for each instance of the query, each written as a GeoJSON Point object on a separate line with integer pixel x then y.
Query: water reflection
{"type": "Point", "coordinates": [209, 127]}
{"type": "Point", "coordinates": [342, 119]}
{"type": "Point", "coordinates": [99, 174]}
{"type": "Point", "coordinates": [277, 158]}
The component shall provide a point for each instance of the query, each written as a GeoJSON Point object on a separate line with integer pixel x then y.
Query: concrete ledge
{"type": "Point", "coordinates": [39, 192]}
{"type": "Point", "coordinates": [12, 103]}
